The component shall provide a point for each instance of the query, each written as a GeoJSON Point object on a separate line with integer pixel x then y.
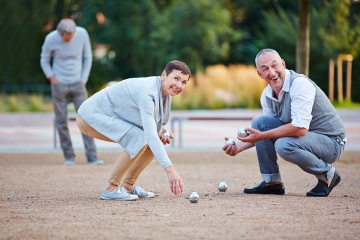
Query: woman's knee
{"type": "Point", "coordinates": [89, 131]}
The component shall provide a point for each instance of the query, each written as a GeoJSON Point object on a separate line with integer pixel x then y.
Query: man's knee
{"type": "Point", "coordinates": [284, 148]}
{"type": "Point", "coordinates": [264, 123]}
{"type": "Point", "coordinates": [257, 122]}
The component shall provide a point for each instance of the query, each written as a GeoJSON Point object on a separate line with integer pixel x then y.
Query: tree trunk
{"type": "Point", "coordinates": [303, 38]}
{"type": "Point", "coordinates": [59, 9]}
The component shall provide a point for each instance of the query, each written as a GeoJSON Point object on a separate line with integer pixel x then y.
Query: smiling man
{"type": "Point", "coordinates": [299, 124]}
{"type": "Point", "coordinates": [133, 113]}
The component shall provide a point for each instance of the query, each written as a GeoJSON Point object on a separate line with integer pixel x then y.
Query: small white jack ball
{"type": "Point", "coordinates": [230, 142]}
{"type": "Point", "coordinates": [222, 186]}
{"type": "Point", "coordinates": [166, 134]}
{"type": "Point", "coordinates": [194, 197]}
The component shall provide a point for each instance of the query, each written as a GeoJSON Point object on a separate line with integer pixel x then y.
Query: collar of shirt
{"type": "Point", "coordinates": [285, 88]}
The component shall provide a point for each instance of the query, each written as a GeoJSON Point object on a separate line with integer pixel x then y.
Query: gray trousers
{"type": "Point", "coordinates": [314, 153]}
{"type": "Point", "coordinates": [77, 94]}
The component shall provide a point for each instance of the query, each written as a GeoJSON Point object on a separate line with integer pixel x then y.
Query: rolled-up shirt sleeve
{"type": "Point", "coordinates": [302, 93]}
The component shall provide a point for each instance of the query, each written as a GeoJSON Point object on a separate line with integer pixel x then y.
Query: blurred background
{"type": "Point", "coordinates": [217, 39]}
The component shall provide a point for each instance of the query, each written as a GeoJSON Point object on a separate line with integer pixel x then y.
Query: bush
{"type": "Point", "coordinates": [236, 86]}
{"type": "Point", "coordinates": [24, 103]}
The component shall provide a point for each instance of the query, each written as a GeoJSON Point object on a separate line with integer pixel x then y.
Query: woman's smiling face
{"type": "Point", "coordinates": [173, 83]}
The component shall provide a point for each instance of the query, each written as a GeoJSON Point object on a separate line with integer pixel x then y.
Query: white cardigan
{"type": "Point", "coordinates": [131, 113]}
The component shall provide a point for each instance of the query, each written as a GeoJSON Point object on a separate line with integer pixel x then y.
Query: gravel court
{"type": "Point", "coordinates": [42, 199]}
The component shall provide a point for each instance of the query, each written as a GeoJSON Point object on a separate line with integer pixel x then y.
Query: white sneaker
{"type": "Point", "coordinates": [141, 193]}
{"type": "Point", "coordinates": [119, 194]}
{"type": "Point", "coordinates": [69, 162]}
{"type": "Point", "coordinates": [96, 162]}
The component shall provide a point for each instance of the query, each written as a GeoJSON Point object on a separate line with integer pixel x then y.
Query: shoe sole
{"type": "Point", "coordinates": [95, 164]}
{"type": "Point", "coordinates": [148, 196]}
{"type": "Point", "coordinates": [280, 193]}
{"type": "Point", "coordinates": [119, 199]}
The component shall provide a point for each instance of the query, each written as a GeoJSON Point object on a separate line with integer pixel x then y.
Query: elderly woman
{"type": "Point", "coordinates": [132, 113]}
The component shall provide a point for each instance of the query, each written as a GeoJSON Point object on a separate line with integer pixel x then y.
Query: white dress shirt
{"type": "Point", "coordinates": [302, 93]}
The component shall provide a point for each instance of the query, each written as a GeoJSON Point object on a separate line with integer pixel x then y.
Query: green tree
{"type": "Point", "coordinates": [22, 27]}
{"type": "Point", "coordinates": [196, 32]}
{"type": "Point", "coordinates": [280, 33]}
{"type": "Point", "coordinates": [249, 17]}
{"type": "Point", "coordinates": [339, 36]}
{"type": "Point", "coordinates": [303, 37]}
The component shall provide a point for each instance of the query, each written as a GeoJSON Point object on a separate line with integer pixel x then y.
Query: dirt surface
{"type": "Point", "coordinates": [42, 199]}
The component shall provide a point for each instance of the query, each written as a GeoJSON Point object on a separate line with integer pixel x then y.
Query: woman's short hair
{"type": "Point", "coordinates": [177, 65]}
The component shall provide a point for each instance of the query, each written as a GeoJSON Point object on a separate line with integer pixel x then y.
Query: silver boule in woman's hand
{"type": "Point", "coordinates": [166, 134]}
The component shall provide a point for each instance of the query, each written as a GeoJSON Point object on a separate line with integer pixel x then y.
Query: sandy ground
{"type": "Point", "coordinates": [42, 199]}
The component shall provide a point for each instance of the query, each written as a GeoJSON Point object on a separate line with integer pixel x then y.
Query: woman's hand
{"type": "Point", "coordinates": [176, 185]}
{"type": "Point", "coordinates": [163, 139]}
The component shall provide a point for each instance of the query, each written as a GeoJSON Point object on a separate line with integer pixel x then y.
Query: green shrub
{"type": "Point", "coordinates": [15, 103]}
{"type": "Point", "coordinates": [36, 103]}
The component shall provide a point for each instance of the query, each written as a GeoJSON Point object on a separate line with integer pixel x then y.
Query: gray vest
{"type": "Point", "coordinates": [325, 119]}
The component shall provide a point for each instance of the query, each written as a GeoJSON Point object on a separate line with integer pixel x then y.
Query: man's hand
{"type": "Point", "coordinates": [231, 150]}
{"type": "Point", "coordinates": [253, 137]}
{"type": "Point", "coordinates": [53, 80]}
{"type": "Point", "coordinates": [240, 146]}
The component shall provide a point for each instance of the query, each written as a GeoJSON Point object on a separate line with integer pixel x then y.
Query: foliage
{"type": "Point", "coordinates": [22, 29]}
{"type": "Point", "coordinates": [248, 15]}
{"type": "Point", "coordinates": [280, 32]}
{"type": "Point", "coordinates": [346, 104]}
{"type": "Point", "coordinates": [195, 36]}
{"type": "Point", "coordinates": [25, 103]}
{"type": "Point", "coordinates": [222, 86]}
{"type": "Point", "coordinates": [339, 37]}
{"type": "Point", "coordinates": [141, 36]}
{"type": "Point", "coordinates": [182, 30]}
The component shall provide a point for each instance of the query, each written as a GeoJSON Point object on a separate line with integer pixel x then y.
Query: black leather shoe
{"type": "Point", "coordinates": [277, 189]}
{"type": "Point", "coordinates": [322, 189]}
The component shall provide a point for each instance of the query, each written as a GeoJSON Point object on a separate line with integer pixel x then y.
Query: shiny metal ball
{"type": "Point", "coordinates": [194, 197]}
{"type": "Point", "coordinates": [166, 134]}
{"type": "Point", "coordinates": [222, 186]}
{"type": "Point", "coordinates": [230, 142]}
{"type": "Point", "coordinates": [243, 133]}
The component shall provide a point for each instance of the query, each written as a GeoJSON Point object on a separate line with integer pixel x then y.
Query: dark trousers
{"type": "Point", "coordinates": [77, 94]}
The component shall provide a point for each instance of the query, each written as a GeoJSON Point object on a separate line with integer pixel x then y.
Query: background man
{"type": "Point", "coordinates": [69, 49]}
